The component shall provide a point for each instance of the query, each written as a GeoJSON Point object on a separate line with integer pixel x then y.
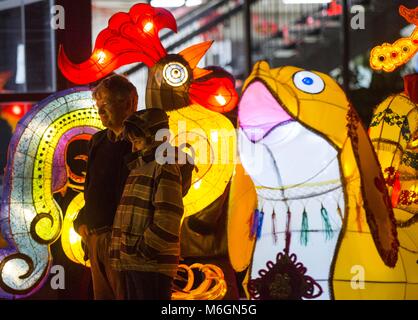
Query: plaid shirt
{"type": "Point", "coordinates": [145, 235]}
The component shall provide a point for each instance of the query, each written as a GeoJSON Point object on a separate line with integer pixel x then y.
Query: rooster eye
{"type": "Point", "coordinates": [175, 74]}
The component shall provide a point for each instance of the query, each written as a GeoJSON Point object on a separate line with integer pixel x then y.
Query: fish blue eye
{"type": "Point", "coordinates": [308, 81]}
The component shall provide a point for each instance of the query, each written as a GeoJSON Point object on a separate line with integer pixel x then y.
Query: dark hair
{"type": "Point", "coordinates": [131, 129]}
{"type": "Point", "coordinates": [120, 88]}
{"type": "Point", "coordinates": [146, 123]}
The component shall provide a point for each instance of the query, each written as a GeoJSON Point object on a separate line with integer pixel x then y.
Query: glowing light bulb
{"type": "Point", "coordinates": [148, 27]}
{"type": "Point", "coordinates": [214, 135]}
{"type": "Point", "coordinates": [221, 99]}
{"type": "Point", "coordinates": [17, 110]}
{"type": "Point", "coordinates": [74, 237]}
{"type": "Point", "coordinates": [414, 143]}
{"type": "Point", "coordinates": [101, 57]}
{"type": "Point", "coordinates": [198, 184]}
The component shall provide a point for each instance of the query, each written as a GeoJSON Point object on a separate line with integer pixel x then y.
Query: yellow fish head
{"type": "Point", "coordinates": [289, 94]}
{"type": "Point", "coordinates": [276, 97]}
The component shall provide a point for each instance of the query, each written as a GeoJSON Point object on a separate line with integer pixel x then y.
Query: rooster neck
{"type": "Point", "coordinates": [160, 93]}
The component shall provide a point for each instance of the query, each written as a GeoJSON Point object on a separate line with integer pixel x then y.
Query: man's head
{"type": "Point", "coordinates": [141, 127]}
{"type": "Point", "coordinates": [116, 99]}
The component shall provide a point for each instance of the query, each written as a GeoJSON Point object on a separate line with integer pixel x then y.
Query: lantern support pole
{"type": "Point", "coordinates": [247, 36]}
{"type": "Point", "coordinates": [346, 46]}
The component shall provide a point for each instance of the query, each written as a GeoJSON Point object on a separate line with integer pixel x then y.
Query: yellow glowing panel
{"type": "Point", "coordinates": [211, 137]}
{"type": "Point", "coordinates": [70, 240]}
{"type": "Point", "coordinates": [241, 205]}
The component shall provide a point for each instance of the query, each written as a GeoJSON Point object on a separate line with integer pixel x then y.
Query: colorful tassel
{"type": "Point", "coordinates": [260, 224]}
{"type": "Point", "coordinates": [254, 223]}
{"type": "Point", "coordinates": [305, 229]}
{"type": "Point", "coordinates": [326, 223]}
{"type": "Point", "coordinates": [274, 230]}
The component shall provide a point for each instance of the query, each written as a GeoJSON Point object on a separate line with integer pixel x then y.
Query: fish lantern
{"type": "Point", "coordinates": [322, 207]}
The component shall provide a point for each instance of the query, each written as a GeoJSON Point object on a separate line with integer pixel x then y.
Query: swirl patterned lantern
{"type": "Point", "coordinates": [31, 219]}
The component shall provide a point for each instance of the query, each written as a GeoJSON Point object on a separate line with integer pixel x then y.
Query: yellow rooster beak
{"type": "Point", "coordinates": [193, 55]}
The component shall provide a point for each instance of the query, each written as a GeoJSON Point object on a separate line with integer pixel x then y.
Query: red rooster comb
{"type": "Point", "coordinates": [410, 15]}
{"type": "Point", "coordinates": [133, 37]}
{"type": "Point", "coordinates": [130, 37]}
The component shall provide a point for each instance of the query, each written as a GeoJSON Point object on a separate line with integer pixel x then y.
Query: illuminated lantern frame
{"type": "Point", "coordinates": [191, 95]}
{"type": "Point", "coordinates": [31, 220]}
{"type": "Point", "coordinates": [174, 80]}
{"type": "Point", "coordinates": [38, 147]}
{"type": "Point", "coordinates": [130, 37]}
{"type": "Point", "coordinates": [388, 57]}
{"type": "Point", "coordinates": [317, 181]}
{"type": "Point", "coordinates": [213, 286]}
{"type": "Point", "coordinates": [394, 133]}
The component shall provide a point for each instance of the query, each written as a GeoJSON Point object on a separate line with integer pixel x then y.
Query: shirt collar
{"type": "Point", "coordinates": [113, 137]}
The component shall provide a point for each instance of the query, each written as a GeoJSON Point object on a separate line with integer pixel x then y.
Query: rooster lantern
{"type": "Point", "coordinates": [193, 97]}
{"type": "Point", "coordinates": [31, 220]}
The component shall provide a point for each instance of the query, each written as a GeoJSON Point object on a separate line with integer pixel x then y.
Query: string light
{"type": "Point", "coordinates": [101, 57]}
{"type": "Point", "coordinates": [221, 99]}
{"type": "Point", "coordinates": [148, 26]}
